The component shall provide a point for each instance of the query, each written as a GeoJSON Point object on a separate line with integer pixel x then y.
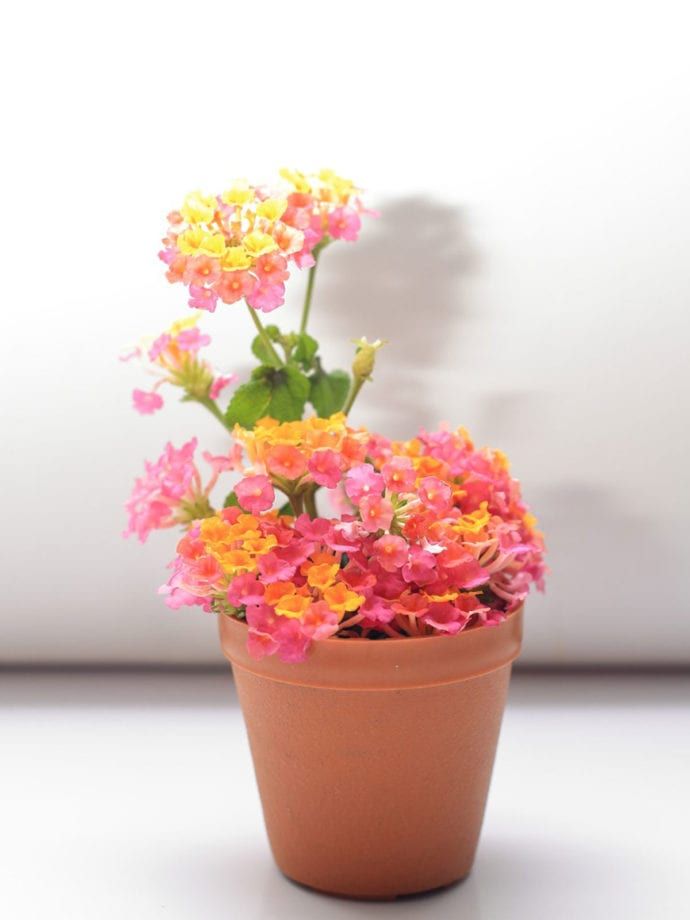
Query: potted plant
{"type": "Point", "coordinates": [369, 592]}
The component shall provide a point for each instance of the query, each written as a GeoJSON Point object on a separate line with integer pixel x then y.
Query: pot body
{"type": "Point", "coordinates": [373, 758]}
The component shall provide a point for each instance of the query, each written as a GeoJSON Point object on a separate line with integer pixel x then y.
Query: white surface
{"type": "Point", "coordinates": [530, 270]}
{"type": "Point", "coordinates": [133, 796]}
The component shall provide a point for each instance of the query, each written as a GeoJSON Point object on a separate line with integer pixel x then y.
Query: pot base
{"type": "Point", "coordinates": [403, 896]}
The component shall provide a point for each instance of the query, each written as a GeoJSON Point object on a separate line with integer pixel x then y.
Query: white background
{"type": "Point", "coordinates": [530, 269]}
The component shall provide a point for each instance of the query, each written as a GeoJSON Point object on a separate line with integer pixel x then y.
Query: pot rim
{"type": "Point", "coordinates": [386, 664]}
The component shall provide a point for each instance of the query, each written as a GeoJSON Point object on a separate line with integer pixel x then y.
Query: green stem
{"type": "Point", "coordinates": [261, 329]}
{"type": "Point", "coordinates": [295, 500]}
{"type": "Point", "coordinates": [310, 291]}
{"type": "Point", "coordinates": [357, 384]}
{"type": "Point", "coordinates": [310, 503]}
{"type": "Point", "coordinates": [212, 407]}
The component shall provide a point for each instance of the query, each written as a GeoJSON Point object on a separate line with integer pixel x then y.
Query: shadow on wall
{"type": "Point", "coordinates": [404, 282]}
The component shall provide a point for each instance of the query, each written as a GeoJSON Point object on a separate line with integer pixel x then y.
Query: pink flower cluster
{"type": "Point", "coordinates": [171, 491]}
{"type": "Point", "coordinates": [173, 358]}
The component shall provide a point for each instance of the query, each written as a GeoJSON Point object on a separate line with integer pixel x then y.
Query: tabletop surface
{"type": "Point", "coordinates": [132, 795]}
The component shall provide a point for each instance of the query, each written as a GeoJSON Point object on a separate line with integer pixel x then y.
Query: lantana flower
{"type": "Point", "coordinates": [173, 357]}
{"type": "Point", "coordinates": [238, 245]}
{"type": "Point", "coordinates": [171, 491]}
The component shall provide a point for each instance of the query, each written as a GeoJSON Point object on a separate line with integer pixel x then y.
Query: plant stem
{"type": "Point", "coordinates": [357, 385]}
{"type": "Point", "coordinates": [295, 500]}
{"type": "Point", "coordinates": [310, 503]}
{"type": "Point", "coordinates": [212, 407]}
{"type": "Point", "coordinates": [310, 291]}
{"type": "Point", "coordinates": [261, 329]}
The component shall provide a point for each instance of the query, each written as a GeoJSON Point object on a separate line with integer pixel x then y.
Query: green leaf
{"type": "Point", "coordinates": [289, 393]}
{"type": "Point", "coordinates": [286, 509]}
{"type": "Point", "coordinates": [329, 391]}
{"type": "Point", "coordinates": [249, 403]}
{"type": "Point", "coordinates": [306, 350]}
{"type": "Point", "coordinates": [231, 500]}
{"type": "Point", "coordinates": [260, 350]}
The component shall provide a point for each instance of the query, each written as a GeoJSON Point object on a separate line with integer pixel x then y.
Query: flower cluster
{"type": "Point", "coordinates": [434, 539]}
{"type": "Point", "coordinates": [173, 358]}
{"type": "Point", "coordinates": [238, 245]}
{"type": "Point", "coordinates": [171, 491]}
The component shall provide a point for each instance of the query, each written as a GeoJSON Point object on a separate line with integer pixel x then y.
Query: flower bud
{"type": "Point", "coordinates": [365, 358]}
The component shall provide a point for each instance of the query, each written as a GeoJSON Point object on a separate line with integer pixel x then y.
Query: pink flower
{"type": "Point", "coordinates": [325, 467]}
{"type": "Point", "coordinates": [445, 618]}
{"type": "Point", "coordinates": [177, 265]}
{"type": "Point", "coordinates": [158, 496]}
{"type": "Point", "coordinates": [377, 610]}
{"type": "Point", "coordinates": [317, 529]}
{"type": "Point", "coordinates": [435, 494]}
{"type": "Point", "coordinates": [271, 269]}
{"type": "Point", "coordinates": [220, 383]}
{"type": "Point", "coordinates": [398, 474]}
{"type": "Point", "coordinates": [201, 270]}
{"type": "Point", "coordinates": [344, 224]}
{"type": "Point", "coordinates": [245, 589]}
{"type": "Point", "coordinates": [266, 297]}
{"type": "Point", "coordinates": [260, 644]}
{"type": "Point", "coordinates": [376, 512]}
{"type": "Point", "coordinates": [233, 286]}
{"type": "Point", "coordinates": [292, 642]}
{"type": "Point", "coordinates": [192, 339]}
{"type": "Point", "coordinates": [273, 568]}
{"type": "Point", "coordinates": [319, 622]}
{"type": "Point", "coordinates": [421, 567]}
{"type": "Point", "coordinates": [146, 403]}
{"type": "Point", "coordinates": [255, 493]}
{"type": "Point", "coordinates": [202, 298]}
{"type": "Point", "coordinates": [391, 552]}
{"type": "Point", "coordinates": [363, 480]}
{"type": "Point", "coordinates": [159, 346]}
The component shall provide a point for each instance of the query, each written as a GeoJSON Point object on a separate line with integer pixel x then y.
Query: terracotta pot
{"type": "Point", "coordinates": [373, 758]}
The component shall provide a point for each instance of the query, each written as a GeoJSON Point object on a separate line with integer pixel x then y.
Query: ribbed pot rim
{"type": "Point", "coordinates": [386, 664]}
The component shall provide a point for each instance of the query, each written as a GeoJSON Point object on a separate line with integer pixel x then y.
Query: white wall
{"type": "Point", "coordinates": [530, 269]}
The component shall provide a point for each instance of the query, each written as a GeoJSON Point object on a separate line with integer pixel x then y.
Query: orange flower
{"type": "Point", "coordinates": [278, 590]}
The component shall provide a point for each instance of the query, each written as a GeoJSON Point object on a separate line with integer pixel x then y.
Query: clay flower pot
{"type": "Point", "coordinates": [373, 758]}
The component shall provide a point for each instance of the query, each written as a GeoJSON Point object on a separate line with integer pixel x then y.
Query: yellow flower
{"type": "Point", "coordinates": [190, 240]}
{"type": "Point", "coordinates": [214, 531]}
{"type": "Point", "coordinates": [236, 561]}
{"type": "Point", "coordinates": [322, 576]}
{"type": "Point", "coordinates": [259, 546]}
{"type": "Point", "coordinates": [292, 605]}
{"type": "Point", "coordinates": [441, 598]}
{"type": "Point", "coordinates": [297, 179]}
{"type": "Point", "coordinates": [198, 208]}
{"type": "Point", "coordinates": [257, 243]}
{"type": "Point", "coordinates": [213, 244]}
{"type": "Point", "coordinates": [340, 599]}
{"type": "Point", "coordinates": [235, 258]}
{"type": "Point", "coordinates": [272, 208]}
{"type": "Point", "coordinates": [239, 193]}
{"type": "Point", "coordinates": [342, 187]}
{"type": "Point", "coordinates": [474, 522]}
